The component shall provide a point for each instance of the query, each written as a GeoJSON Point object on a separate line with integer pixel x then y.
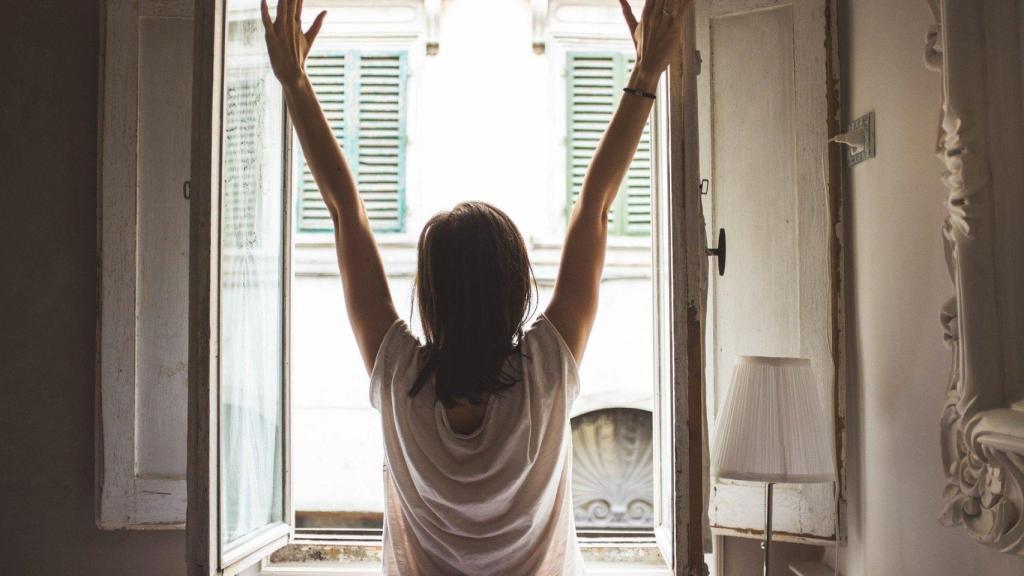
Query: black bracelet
{"type": "Point", "coordinates": [636, 92]}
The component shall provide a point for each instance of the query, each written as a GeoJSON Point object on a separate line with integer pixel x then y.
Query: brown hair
{"type": "Point", "coordinates": [474, 288]}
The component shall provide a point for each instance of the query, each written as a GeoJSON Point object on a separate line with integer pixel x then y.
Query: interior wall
{"type": "Point", "coordinates": [898, 280]}
{"type": "Point", "coordinates": [48, 303]}
{"type": "Point", "coordinates": [744, 556]}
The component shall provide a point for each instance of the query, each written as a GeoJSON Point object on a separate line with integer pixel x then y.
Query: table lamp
{"type": "Point", "coordinates": [773, 429]}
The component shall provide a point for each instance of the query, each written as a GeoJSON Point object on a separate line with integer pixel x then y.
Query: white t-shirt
{"type": "Point", "coordinates": [497, 501]}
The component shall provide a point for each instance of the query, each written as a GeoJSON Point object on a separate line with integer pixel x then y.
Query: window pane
{"type": "Point", "coordinates": [252, 282]}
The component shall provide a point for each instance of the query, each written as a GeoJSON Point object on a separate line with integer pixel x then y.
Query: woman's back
{"type": "Point", "coordinates": [496, 500]}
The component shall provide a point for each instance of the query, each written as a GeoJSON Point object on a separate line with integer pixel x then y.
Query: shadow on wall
{"type": "Point", "coordinates": [743, 556]}
{"type": "Point", "coordinates": [47, 375]}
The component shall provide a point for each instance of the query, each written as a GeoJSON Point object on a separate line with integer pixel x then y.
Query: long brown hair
{"type": "Point", "coordinates": [474, 288]}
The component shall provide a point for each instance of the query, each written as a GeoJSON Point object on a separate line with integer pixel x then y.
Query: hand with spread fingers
{"type": "Point", "coordinates": [656, 35]}
{"type": "Point", "coordinates": [287, 44]}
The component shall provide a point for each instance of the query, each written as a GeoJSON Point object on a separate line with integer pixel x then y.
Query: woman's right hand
{"type": "Point", "coordinates": [656, 35]}
{"type": "Point", "coordinates": [287, 45]}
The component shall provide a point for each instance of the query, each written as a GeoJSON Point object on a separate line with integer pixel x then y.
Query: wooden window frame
{"type": "Point", "coordinates": [681, 283]}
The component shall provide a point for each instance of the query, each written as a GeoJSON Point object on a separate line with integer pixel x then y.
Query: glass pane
{"type": "Point", "coordinates": [252, 282]}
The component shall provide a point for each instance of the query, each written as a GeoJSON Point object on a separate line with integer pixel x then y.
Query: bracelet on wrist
{"type": "Point", "coordinates": [638, 92]}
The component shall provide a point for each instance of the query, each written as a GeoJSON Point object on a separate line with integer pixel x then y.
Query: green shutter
{"type": "Point", "coordinates": [363, 96]}
{"type": "Point", "coordinates": [637, 195]}
{"type": "Point", "coordinates": [328, 74]}
{"type": "Point", "coordinates": [381, 139]}
{"type": "Point", "coordinates": [595, 82]}
{"type": "Point", "coordinates": [592, 95]}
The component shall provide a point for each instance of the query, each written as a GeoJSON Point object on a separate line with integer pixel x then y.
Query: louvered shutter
{"type": "Point", "coordinates": [327, 74]}
{"type": "Point", "coordinates": [636, 201]}
{"type": "Point", "coordinates": [595, 82]}
{"type": "Point", "coordinates": [363, 96]}
{"type": "Point", "coordinates": [381, 139]}
{"type": "Point", "coordinates": [591, 92]}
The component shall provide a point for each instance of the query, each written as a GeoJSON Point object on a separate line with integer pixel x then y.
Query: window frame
{"type": "Point", "coordinates": [680, 285]}
{"type": "Point", "coordinates": [681, 293]}
{"type": "Point", "coordinates": [206, 554]}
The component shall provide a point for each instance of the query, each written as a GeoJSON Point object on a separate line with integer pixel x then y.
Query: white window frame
{"type": "Point", "coordinates": [679, 405]}
{"type": "Point", "coordinates": [681, 411]}
{"type": "Point", "coordinates": [206, 554]}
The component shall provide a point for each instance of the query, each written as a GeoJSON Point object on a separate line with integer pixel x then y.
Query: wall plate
{"type": "Point", "coordinates": [866, 123]}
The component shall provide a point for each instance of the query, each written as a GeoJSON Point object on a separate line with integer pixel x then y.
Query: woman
{"type": "Point", "coordinates": [476, 419]}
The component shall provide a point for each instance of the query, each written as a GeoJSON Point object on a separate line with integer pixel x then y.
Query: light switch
{"type": "Point", "coordinates": [866, 125]}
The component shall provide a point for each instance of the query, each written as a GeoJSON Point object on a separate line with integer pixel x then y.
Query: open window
{"type": "Point", "coordinates": [249, 192]}
{"type": "Point", "coordinates": [239, 506]}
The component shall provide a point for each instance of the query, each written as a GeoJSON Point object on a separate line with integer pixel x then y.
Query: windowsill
{"type": "Point", "coordinates": [624, 555]}
{"type": "Point", "coordinates": [408, 240]}
{"type": "Point", "coordinates": [628, 257]}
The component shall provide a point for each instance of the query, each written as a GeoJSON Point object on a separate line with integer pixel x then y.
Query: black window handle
{"type": "Point", "coordinates": [719, 252]}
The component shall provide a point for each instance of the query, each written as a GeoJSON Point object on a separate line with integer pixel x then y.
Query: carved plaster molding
{"type": "Point", "coordinates": [613, 469]}
{"type": "Point", "coordinates": [982, 427]}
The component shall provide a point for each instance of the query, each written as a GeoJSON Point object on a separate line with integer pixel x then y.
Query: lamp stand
{"type": "Point", "coordinates": [767, 544]}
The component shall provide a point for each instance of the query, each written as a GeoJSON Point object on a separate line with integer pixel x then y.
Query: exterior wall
{"type": "Point", "coordinates": [48, 110]}
{"type": "Point", "coordinates": [898, 280]}
{"type": "Point", "coordinates": [486, 122]}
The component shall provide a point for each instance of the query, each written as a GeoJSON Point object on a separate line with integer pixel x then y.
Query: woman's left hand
{"type": "Point", "coordinates": [287, 44]}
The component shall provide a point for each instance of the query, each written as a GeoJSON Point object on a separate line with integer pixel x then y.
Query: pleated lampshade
{"type": "Point", "coordinates": [773, 427]}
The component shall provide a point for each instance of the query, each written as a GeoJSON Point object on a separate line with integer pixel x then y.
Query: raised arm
{"type": "Point", "coordinates": [574, 302]}
{"type": "Point", "coordinates": [367, 297]}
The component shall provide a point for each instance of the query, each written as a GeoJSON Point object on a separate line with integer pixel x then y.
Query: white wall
{"type": "Point", "coordinates": [897, 280]}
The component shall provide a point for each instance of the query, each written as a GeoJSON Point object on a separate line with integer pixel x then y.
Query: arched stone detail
{"type": "Point", "coordinates": [613, 469]}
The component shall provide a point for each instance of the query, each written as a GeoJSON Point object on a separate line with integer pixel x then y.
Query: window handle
{"type": "Point", "coordinates": [719, 252]}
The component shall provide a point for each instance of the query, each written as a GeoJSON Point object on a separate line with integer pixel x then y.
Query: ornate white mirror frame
{"type": "Point", "coordinates": [979, 49]}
